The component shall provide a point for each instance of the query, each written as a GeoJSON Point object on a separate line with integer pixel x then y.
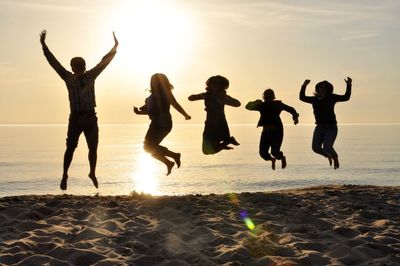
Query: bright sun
{"type": "Point", "coordinates": [153, 35]}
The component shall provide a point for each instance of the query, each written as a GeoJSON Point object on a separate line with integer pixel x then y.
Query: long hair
{"type": "Point", "coordinates": [159, 84]}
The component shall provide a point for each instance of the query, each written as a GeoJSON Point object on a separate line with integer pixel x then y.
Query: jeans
{"type": "Point", "coordinates": [323, 139]}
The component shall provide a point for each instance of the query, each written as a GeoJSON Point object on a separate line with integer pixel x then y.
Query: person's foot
{"type": "Point", "coordinates": [170, 165]}
{"type": "Point", "coordinates": [335, 163]}
{"type": "Point", "coordinates": [177, 159]}
{"type": "Point", "coordinates": [234, 141]}
{"type": "Point", "coordinates": [63, 184]}
{"type": "Point", "coordinates": [284, 162]}
{"type": "Point", "coordinates": [94, 180]}
{"type": "Point", "coordinates": [227, 148]}
{"type": "Point", "coordinates": [273, 160]}
{"type": "Point", "coordinates": [330, 160]}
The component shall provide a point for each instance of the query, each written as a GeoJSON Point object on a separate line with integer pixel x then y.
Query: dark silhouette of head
{"type": "Point", "coordinates": [78, 65]}
{"type": "Point", "coordinates": [269, 95]}
{"type": "Point", "coordinates": [159, 83]}
{"type": "Point", "coordinates": [323, 89]}
{"type": "Point", "coordinates": [217, 83]}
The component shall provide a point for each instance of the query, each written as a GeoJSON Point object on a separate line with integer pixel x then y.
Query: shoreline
{"type": "Point", "coordinates": [321, 225]}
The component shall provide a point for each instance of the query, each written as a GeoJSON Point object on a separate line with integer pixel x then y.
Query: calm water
{"type": "Point", "coordinates": [31, 161]}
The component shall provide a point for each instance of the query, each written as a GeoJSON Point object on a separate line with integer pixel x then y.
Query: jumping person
{"type": "Point", "coordinates": [81, 94]}
{"type": "Point", "coordinates": [157, 107]}
{"type": "Point", "coordinates": [216, 135]}
{"type": "Point", "coordinates": [323, 103]}
{"type": "Point", "coordinates": [272, 134]}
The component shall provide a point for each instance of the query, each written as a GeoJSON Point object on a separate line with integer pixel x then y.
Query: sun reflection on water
{"type": "Point", "coordinates": [145, 177]}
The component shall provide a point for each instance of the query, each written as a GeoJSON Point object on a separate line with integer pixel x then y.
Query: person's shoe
{"type": "Point", "coordinates": [273, 160]}
{"type": "Point", "coordinates": [63, 184]}
{"type": "Point", "coordinates": [94, 180]}
{"type": "Point", "coordinates": [284, 162]}
{"type": "Point", "coordinates": [335, 163]}
{"type": "Point", "coordinates": [234, 141]}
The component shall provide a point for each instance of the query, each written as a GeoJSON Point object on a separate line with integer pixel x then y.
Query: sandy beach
{"type": "Point", "coordinates": [329, 225]}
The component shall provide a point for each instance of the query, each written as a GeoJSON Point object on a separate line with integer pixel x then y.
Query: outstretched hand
{"type": "Point", "coordinates": [296, 121]}
{"type": "Point", "coordinates": [188, 117]}
{"type": "Point", "coordinates": [306, 82]}
{"type": "Point", "coordinates": [348, 80]}
{"type": "Point", "coordinates": [115, 40]}
{"type": "Point", "coordinates": [136, 110]}
{"type": "Point", "coordinates": [43, 37]}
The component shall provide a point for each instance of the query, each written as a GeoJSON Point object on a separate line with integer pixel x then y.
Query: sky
{"type": "Point", "coordinates": [256, 44]}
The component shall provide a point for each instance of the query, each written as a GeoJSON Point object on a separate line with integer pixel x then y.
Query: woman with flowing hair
{"type": "Point", "coordinates": [157, 107]}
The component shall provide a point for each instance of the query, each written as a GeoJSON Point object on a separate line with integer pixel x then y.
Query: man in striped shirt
{"type": "Point", "coordinates": [81, 94]}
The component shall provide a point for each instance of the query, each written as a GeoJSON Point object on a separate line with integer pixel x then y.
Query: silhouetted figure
{"type": "Point", "coordinates": [81, 94]}
{"type": "Point", "coordinates": [216, 135]}
{"type": "Point", "coordinates": [326, 130]}
{"type": "Point", "coordinates": [272, 134]}
{"type": "Point", "coordinates": [157, 107]}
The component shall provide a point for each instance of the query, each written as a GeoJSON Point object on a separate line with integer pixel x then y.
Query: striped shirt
{"type": "Point", "coordinates": [81, 92]}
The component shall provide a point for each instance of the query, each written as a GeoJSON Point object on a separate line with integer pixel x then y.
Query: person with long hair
{"type": "Point", "coordinates": [326, 130]}
{"type": "Point", "coordinates": [216, 135]}
{"type": "Point", "coordinates": [272, 134]}
{"type": "Point", "coordinates": [157, 107]}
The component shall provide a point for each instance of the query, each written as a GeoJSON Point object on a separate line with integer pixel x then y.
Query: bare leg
{"type": "Point", "coordinates": [176, 156]}
{"type": "Point", "coordinates": [68, 155]}
{"type": "Point", "coordinates": [93, 161]}
{"type": "Point", "coordinates": [167, 162]}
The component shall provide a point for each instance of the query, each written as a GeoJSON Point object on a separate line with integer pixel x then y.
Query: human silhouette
{"type": "Point", "coordinates": [272, 134]}
{"type": "Point", "coordinates": [81, 94]}
{"type": "Point", "coordinates": [216, 135]}
{"type": "Point", "coordinates": [323, 103]}
{"type": "Point", "coordinates": [157, 107]}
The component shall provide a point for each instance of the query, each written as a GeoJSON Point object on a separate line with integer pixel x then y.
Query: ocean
{"type": "Point", "coordinates": [31, 161]}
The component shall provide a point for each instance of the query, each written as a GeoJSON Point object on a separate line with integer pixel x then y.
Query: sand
{"type": "Point", "coordinates": [329, 225]}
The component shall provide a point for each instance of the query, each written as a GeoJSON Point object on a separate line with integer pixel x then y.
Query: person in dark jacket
{"type": "Point", "coordinates": [323, 103]}
{"type": "Point", "coordinates": [272, 134]}
{"type": "Point", "coordinates": [216, 135]}
{"type": "Point", "coordinates": [157, 107]}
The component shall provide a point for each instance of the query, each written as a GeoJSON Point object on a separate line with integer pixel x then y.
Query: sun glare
{"type": "Point", "coordinates": [153, 35]}
{"type": "Point", "coordinates": [145, 178]}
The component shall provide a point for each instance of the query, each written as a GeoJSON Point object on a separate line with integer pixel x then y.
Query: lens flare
{"type": "Point", "coordinates": [248, 222]}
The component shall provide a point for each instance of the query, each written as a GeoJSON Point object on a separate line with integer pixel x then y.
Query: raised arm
{"type": "Point", "coordinates": [347, 94]}
{"type": "Point", "coordinates": [105, 60]}
{"type": "Point", "coordinates": [61, 71]}
{"type": "Point", "coordinates": [302, 95]}
{"type": "Point", "coordinates": [254, 105]}
{"type": "Point", "coordinates": [177, 106]}
{"type": "Point", "coordinates": [228, 100]}
{"type": "Point", "coordinates": [196, 97]}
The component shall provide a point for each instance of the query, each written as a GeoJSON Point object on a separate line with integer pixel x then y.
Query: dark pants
{"type": "Point", "coordinates": [159, 128]}
{"type": "Point", "coordinates": [271, 138]}
{"type": "Point", "coordinates": [85, 122]}
{"type": "Point", "coordinates": [323, 139]}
